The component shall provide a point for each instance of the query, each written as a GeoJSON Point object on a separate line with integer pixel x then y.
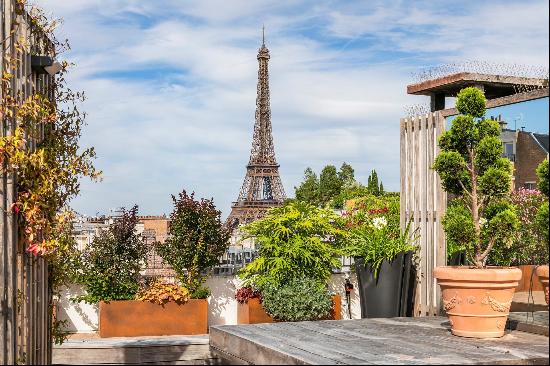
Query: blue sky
{"type": "Point", "coordinates": [171, 84]}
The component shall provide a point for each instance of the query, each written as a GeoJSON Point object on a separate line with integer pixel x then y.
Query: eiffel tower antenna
{"type": "Point", "coordinates": [262, 187]}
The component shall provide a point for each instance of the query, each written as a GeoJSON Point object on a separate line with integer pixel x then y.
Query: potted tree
{"type": "Point", "coordinates": [542, 223]}
{"type": "Point", "coordinates": [383, 256]}
{"type": "Point", "coordinates": [298, 247]}
{"type": "Point", "coordinates": [197, 240]}
{"type": "Point", "coordinates": [476, 298]}
{"type": "Point", "coordinates": [109, 269]}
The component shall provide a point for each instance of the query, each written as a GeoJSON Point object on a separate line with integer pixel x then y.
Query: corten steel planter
{"type": "Point", "coordinates": [132, 318]}
{"type": "Point", "coordinates": [253, 312]}
{"type": "Point", "coordinates": [542, 273]}
{"type": "Point", "coordinates": [477, 301]}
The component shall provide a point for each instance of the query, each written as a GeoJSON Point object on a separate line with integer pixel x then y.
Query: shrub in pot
{"type": "Point", "coordinates": [476, 298]}
{"type": "Point", "coordinates": [542, 223]}
{"type": "Point", "coordinates": [197, 240]}
{"type": "Point", "coordinates": [297, 240]}
{"type": "Point", "coordinates": [110, 264]}
{"type": "Point", "coordinates": [383, 256]}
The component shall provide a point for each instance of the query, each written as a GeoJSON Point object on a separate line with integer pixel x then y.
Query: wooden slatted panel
{"type": "Point", "coordinates": [25, 325]}
{"type": "Point", "coordinates": [423, 203]}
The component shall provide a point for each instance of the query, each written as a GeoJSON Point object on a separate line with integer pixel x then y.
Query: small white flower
{"type": "Point", "coordinates": [379, 222]}
{"type": "Point", "coordinates": [482, 221]}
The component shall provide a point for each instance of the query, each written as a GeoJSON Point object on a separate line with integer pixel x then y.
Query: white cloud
{"type": "Point", "coordinates": [171, 85]}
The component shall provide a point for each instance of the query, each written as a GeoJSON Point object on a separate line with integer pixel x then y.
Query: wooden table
{"type": "Point", "coordinates": [418, 341]}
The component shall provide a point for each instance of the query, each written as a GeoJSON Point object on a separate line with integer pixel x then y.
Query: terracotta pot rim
{"type": "Point", "coordinates": [466, 273]}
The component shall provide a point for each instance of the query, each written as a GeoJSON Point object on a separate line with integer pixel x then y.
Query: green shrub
{"type": "Point", "coordinates": [299, 299]}
{"type": "Point", "coordinates": [294, 240]}
{"type": "Point", "coordinates": [530, 244]}
{"type": "Point", "coordinates": [197, 240]}
{"type": "Point", "coordinates": [542, 173]}
{"type": "Point", "coordinates": [471, 167]}
{"type": "Point", "coordinates": [111, 263]}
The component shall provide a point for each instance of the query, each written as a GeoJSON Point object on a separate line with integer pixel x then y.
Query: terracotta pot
{"type": "Point", "coordinates": [253, 312]}
{"type": "Point", "coordinates": [542, 273]}
{"type": "Point", "coordinates": [133, 318]}
{"type": "Point", "coordinates": [477, 301]}
{"type": "Point", "coordinates": [525, 283]}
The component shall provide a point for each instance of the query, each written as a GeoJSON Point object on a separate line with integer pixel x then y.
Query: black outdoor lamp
{"type": "Point", "coordinates": [45, 65]}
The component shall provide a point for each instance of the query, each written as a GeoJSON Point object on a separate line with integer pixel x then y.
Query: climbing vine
{"type": "Point", "coordinates": [42, 147]}
{"type": "Point", "coordinates": [39, 148]}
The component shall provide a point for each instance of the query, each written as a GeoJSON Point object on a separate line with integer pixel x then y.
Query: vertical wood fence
{"type": "Point", "coordinates": [423, 203]}
{"type": "Point", "coordinates": [25, 327]}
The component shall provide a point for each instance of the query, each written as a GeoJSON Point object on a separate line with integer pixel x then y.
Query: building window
{"type": "Point", "coordinates": [530, 185]}
{"type": "Point", "coordinates": [508, 150]}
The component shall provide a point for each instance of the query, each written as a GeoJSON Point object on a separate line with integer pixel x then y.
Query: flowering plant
{"type": "Point", "coordinates": [375, 234]}
{"type": "Point", "coordinates": [529, 245]}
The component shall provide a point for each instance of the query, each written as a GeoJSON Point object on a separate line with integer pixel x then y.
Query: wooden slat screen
{"type": "Point", "coordinates": [25, 296]}
{"type": "Point", "coordinates": [423, 203]}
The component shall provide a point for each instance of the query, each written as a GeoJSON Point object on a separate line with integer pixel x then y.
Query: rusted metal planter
{"type": "Point", "coordinates": [132, 318]}
{"type": "Point", "coordinates": [253, 312]}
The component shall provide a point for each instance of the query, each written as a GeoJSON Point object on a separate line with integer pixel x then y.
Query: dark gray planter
{"type": "Point", "coordinates": [391, 294]}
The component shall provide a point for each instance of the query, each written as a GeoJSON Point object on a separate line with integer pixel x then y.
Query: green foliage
{"type": "Point", "coordinates": [453, 172]}
{"type": "Point", "coordinates": [373, 186]}
{"type": "Point", "coordinates": [334, 188]}
{"type": "Point", "coordinates": [294, 240]}
{"type": "Point", "coordinates": [471, 101]}
{"type": "Point", "coordinates": [541, 223]}
{"type": "Point", "coordinates": [299, 299]}
{"type": "Point", "coordinates": [346, 175]}
{"type": "Point", "coordinates": [374, 230]}
{"type": "Point", "coordinates": [530, 244]}
{"type": "Point", "coordinates": [200, 293]}
{"type": "Point", "coordinates": [471, 167]}
{"type": "Point", "coordinates": [197, 240]}
{"type": "Point", "coordinates": [459, 228]}
{"type": "Point", "coordinates": [329, 184]}
{"type": "Point", "coordinates": [308, 191]}
{"type": "Point", "coordinates": [111, 263]}
{"type": "Point", "coordinates": [542, 173]}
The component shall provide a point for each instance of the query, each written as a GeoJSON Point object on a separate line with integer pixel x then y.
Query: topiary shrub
{"type": "Point", "coordinates": [471, 167]}
{"type": "Point", "coordinates": [299, 299]}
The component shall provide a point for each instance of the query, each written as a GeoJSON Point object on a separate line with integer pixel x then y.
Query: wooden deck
{"type": "Point", "coordinates": [174, 350]}
{"type": "Point", "coordinates": [418, 341]}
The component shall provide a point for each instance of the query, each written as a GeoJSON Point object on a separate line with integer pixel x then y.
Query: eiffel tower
{"type": "Point", "coordinates": [262, 188]}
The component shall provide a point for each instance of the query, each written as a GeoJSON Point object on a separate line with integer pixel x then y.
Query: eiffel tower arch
{"type": "Point", "coordinates": [262, 188]}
